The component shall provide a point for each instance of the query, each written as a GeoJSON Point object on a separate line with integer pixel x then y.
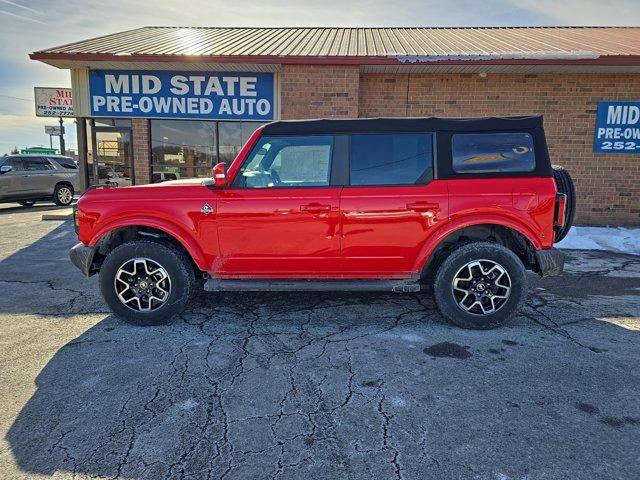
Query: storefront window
{"type": "Point", "coordinates": [233, 135]}
{"type": "Point", "coordinates": [182, 149]}
{"type": "Point", "coordinates": [109, 146]}
{"type": "Point", "coordinates": [188, 148]}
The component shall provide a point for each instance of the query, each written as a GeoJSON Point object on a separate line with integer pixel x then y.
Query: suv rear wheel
{"type": "Point", "coordinates": [63, 194]}
{"type": "Point", "coordinates": [27, 203]}
{"type": "Point", "coordinates": [147, 282]}
{"type": "Point", "coordinates": [480, 285]}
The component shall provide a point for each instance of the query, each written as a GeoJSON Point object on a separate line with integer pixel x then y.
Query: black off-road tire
{"type": "Point", "coordinates": [184, 283]}
{"type": "Point", "coordinates": [27, 203]}
{"type": "Point", "coordinates": [565, 185]}
{"type": "Point", "coordinates": [457, 259]}
{"type": "Point", "coordinates": [67, 200]}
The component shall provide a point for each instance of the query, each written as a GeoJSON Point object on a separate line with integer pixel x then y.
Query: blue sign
{"type": "Point", "coordinates": [617, 127]}
{"type": "Point", "coordinates": [160, 94]}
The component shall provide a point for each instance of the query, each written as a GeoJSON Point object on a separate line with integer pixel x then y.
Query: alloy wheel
{"type": "Point", "coordinates": [142, 284]}
{"type": "Point", "coordinates": [65, 196]}
{"type": "Point", "coordinates": [481, 287]}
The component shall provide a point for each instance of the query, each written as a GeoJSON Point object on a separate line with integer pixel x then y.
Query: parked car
{"type": "Point", "coordinates": [27, 179]}
{"type": "Point", "coordinates": [158, 177]}
{"type": "Point", "coordinates": [109, 177]}
{"type": "Point", "coordinates": [464, 206]}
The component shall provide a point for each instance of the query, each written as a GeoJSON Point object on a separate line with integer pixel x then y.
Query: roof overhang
{"type": "Point", "coordinates": [391, 64]}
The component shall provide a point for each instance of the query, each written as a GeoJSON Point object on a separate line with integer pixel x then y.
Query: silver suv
{"type": "Point", "coordinates": [27, 179]}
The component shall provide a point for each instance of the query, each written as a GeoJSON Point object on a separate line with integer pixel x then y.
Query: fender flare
{"type": "Point", "coordinates": [435, 238]}
{"type": "Point", "coordinates": [176, 231]}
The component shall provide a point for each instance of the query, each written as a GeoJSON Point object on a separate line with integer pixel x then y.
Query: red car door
{"type": "Point", "coordinates": [391, 205]}
{"type": "Point", "coordinates": [280, 217]}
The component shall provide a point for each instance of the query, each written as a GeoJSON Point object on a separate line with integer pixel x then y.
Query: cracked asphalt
{"type": "Point", "coordinates": [293, 385]}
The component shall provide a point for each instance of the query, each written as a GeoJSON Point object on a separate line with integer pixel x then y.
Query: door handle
{"type": "Point", "coordinates": [423, 207]}
{"type": "Point", "coordinates": [315, 208]}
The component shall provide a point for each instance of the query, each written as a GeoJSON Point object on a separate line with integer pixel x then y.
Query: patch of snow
{"type": "Point", "coordinates": [398, 402]}
{"type": "Point", "coordinates": [619, 240]}
{"type": "Point", "coordinates": [412, 337]}
{"type": "Point", "coordinates": [188, 404]}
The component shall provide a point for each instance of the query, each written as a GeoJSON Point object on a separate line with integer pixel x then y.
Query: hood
{"type": "Point", "coordinates": [182, 181]}
{"type": "Point", "coordinates": [172, 189]}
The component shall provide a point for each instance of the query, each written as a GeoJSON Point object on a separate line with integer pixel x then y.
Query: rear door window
{"type": "Point", "coordinates": [391, 159]}
{"type": "Point", "coordinates": [492, 152]}
{"type": "Point", "coordinates": [34, 164]}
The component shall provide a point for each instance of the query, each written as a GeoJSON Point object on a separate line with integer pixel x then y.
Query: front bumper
{"type": "Point", "coordinates": [550, 262]}
{"type": "Point", "coordinates": [82, 257]}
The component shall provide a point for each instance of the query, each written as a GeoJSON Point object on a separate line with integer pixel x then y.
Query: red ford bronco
{"type": "Point", "coordinates": [464, 205]}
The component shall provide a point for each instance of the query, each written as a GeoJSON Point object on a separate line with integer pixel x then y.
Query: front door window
{"type": "Point", "coordinates": [280, 162]}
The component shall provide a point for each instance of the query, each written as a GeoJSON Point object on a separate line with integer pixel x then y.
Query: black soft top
{"type": "Point", "coordinates": [415, 124]}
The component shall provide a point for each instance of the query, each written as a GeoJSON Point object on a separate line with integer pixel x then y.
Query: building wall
{"type": "Point", "coordinates": [141, 150]}
{"type": "Point", "coordinates": [608, 185]}
{"type": "Point", "coordinates": [315, 91]}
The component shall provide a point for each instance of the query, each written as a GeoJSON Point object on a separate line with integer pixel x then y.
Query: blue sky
{"type": "Point", "coordinates": [29, 25]}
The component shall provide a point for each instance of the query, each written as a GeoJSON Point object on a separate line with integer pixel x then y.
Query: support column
{"type": "Point", "coordinates": [81, 132]}
{"type": "Point", "coordinates": [141, 132]}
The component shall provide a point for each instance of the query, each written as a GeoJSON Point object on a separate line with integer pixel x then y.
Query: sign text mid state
{"type": "Point", "coordinates": [226, 95]}
{"type": "Point", "coordinates": [53, 102]}
{"type": "Point", "coordinates": [617, 127]}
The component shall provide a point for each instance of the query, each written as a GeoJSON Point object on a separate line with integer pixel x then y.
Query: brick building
{"type": "Point", "coordinates": [175, 101]}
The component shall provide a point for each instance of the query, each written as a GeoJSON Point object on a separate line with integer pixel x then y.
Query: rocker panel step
{"type": "Point", "coordinates": [234, 285]}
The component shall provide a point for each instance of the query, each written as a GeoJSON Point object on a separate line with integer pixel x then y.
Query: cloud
{"type": "Point", "coordinates": [22, 17]}
{"type": "Point", "coordinates": [23, 7]}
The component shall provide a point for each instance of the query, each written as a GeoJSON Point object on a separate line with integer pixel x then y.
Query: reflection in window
{"type": "Point", "coordinates": [391, 159]}
{"type": "Point", "coordinates": [189, 148]}
{"type": "Point", "coordinates": [492, 152]}
{"type": "Point", "coordinates": [288, 162]}
{"type": "Point", "coordinates": [183, 148]}
{"type": "Point", "coordinates": [233, 135]}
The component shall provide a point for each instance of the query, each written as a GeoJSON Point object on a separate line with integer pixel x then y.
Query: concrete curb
{"type": "Point", "coordinates": [65, 215]}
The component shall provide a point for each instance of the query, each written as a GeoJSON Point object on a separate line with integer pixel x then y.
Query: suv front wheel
{"type": "Point", "coordinates": [147, 282]}
{"type": "Point", "coordinates": [480, 285]}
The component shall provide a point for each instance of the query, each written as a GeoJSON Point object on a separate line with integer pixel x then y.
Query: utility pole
{"type": "Point", "coordinates": [61, 137]}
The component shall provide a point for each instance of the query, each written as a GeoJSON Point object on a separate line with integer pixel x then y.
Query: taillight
{"type": "Point", "coordinates": [561, 210]}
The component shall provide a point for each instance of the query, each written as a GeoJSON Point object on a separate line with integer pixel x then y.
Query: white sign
{"type": "Point", "coordinates": [53, 130]}
{"type": "Point", "coordinates": [53, 102]}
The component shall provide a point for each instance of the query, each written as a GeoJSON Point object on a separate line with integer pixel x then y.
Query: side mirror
{"type": "Point", "coordinates": [219, 174]}
{"type": "Point", "coordinates": [5, 168]}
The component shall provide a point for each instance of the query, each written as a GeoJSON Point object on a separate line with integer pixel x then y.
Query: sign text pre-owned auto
{"type": "Point", "coordinates": [223, 95]}
{"type": "Point", "coordinates": [617, 127]}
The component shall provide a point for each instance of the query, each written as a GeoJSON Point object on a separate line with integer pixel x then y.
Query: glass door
{"type": "Point", "coordinates": [112, 157]}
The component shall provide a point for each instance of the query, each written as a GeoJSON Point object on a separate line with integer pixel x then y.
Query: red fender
{"type": "Point", "coordinates": [436, 237]}
{"type": "Point", "coordinates": [176, 231]}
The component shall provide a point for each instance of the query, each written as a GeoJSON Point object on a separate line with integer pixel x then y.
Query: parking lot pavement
{"type": "Point", "coordinates": [293, 385]}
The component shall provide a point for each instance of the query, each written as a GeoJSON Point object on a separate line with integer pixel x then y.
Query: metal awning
{"type": "Point", "coordinates": [379, 49]}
